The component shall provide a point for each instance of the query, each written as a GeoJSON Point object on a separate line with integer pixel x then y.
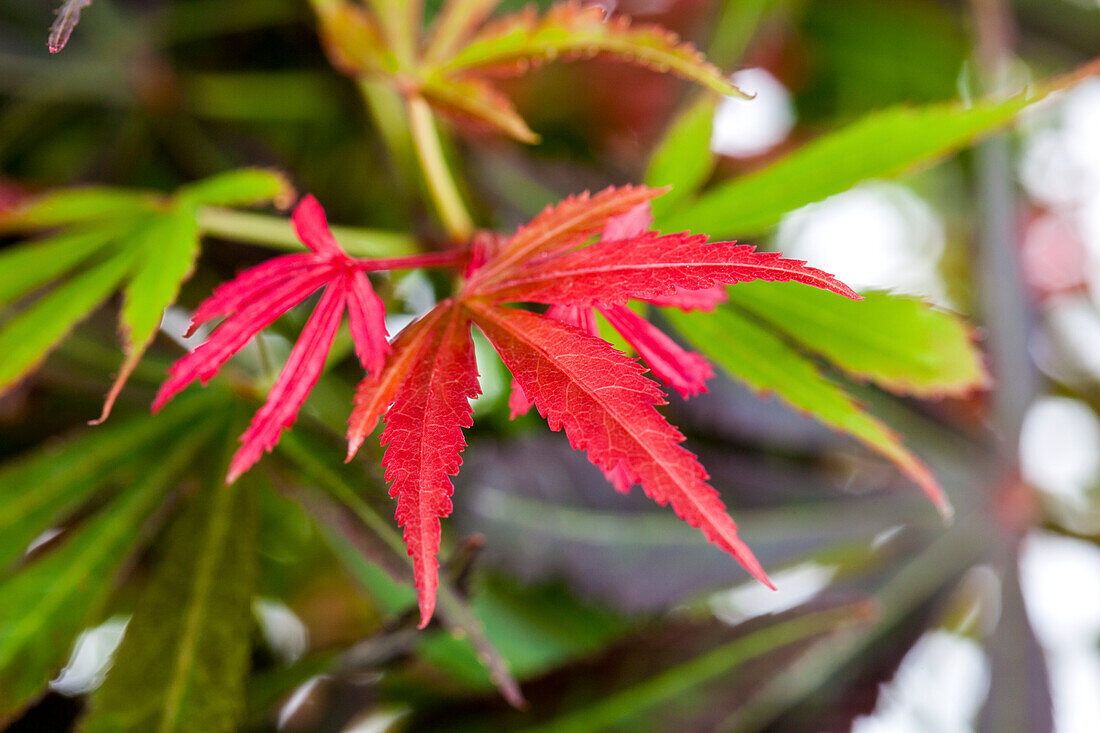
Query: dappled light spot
{"type": "Point", "coordinates": [747, 127]}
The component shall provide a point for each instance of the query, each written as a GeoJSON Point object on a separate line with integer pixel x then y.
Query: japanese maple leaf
{"type": "Point", "coordinates": [576, 380]}
{"type": "Point", "coordinates": [260, 295]}
{"type": "Point", "coordinates": [423, 381]}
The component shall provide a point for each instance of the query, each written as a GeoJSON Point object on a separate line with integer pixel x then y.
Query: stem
{"type": "Point", "coordinates": [441, 184]}
{"type": "Point", "coordinates": [1003, 298]}
{"type": "Point", "coordinates": [432, 259]}
{"type": "Point", "coordinates": [277, 233]}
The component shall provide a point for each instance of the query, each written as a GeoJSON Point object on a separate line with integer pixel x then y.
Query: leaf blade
{"type": "Point", "coordinates": [881, 144]}
{"type": "Point", "coordinates": [683, 161]}
{"type": "Point", "coordinates": [900, 343]}
{"type": "Point", "coordinates": [28, 337]}
{"type": "Point", "coordinates": [605, 405]}
{"type": "Point", "coordinates": [182, 662]}
{"type": "Point", "coordinates": [650, 266]}
{"type": "Point", "coordinates": [41, 488]}
{"type": "Point", "coordinates": [572, 28]}
{"type": "Point", "coordinates": [757, 357]}
{"type": "Point", "coordinates": [34, 264]}
{"type": "Point", "coordinates": [423, 439]}
{"type": "Point", "coordinates": [48, 602]}
{"type": "Point", "coordinates": [237, 188]}
{"type": "Point", "coordinates": [164, 255]}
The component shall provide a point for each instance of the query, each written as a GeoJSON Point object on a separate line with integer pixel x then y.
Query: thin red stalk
{"type": "Point", "coordinates": [432, 259]}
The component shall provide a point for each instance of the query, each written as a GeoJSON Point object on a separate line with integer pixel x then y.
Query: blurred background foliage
{"type": "Point", "coordinates": [610, 613]}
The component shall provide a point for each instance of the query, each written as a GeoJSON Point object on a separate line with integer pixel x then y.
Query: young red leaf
{"type": "Point", "coordinates": [302, 370]}
{"type": "Point", "coordinates": [572, 29]}
{"type": "Point", "coordinates": [650, 266]}
{"type": "Point", "coordinates": [479, 103]}
{"type": "Point", "coordinates": [561, 225]}
{"type": "Point", "coordinates": [423, 439]}
{"type": "Point", "coordinates": [259, 296]}
{"type": "Point", "coordinates": [682, 370]}
{"type": "Point", "coordinates": [68, 15]}
{"type": "Point", "coordinates": [599, 396]}
{"type": "Point", "coordinates": [236, 331]}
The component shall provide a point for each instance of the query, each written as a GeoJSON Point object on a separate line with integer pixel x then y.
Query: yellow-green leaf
{"type": "Point", "coordinates": [28, 337]}
{"type": "Point", "coordinates": [758, 358]}
{"type": "Point", "coordinates": [32, 265]}
{"type": "Point", "coordinates": [237, 188]}
{"type": "Point", "coordinates": [684, 159]}
{"type": "Point", "coordinates": [478, 101]}
{"type": "Point", "coordinates": [164, 257]}
{"type": "Point", "coordinates": [901, 343]}
{"type": "Point", "coordinates": [881, 144]}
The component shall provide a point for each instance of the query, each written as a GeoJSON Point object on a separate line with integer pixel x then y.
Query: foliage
{"type": "Point", "coordinates": [604, 610]}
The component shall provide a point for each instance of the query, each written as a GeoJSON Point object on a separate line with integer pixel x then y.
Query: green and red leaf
{"type": "Point", "coordinates": [574, 30]}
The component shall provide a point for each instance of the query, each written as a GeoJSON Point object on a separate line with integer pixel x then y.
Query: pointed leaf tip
{"type": "Point", "coordinates": [312, 228]}
{"type": "Point", "coordinates": [599, 397]}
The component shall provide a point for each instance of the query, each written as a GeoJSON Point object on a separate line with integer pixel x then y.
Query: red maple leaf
{"type": "Point", "coordinates": [577, 381]}
{"type": "Point", "coordinates": [422, 382]}
{"type": "Point", "coordinates": [258, 296]}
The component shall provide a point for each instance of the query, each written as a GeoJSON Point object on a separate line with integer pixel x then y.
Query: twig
{"type": "Point", "coordinates": [68, 15]}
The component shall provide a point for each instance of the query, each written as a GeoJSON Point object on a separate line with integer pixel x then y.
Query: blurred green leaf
{"type": "Point", "coordinates": [263, 96]}
{"type": "Point", "coordinates": [683, 159]}
{"type": "Point", "coordinates": [165, 253]}
{"type": "Point", "coordinates": [28, 268]}
{"type": "Point", "coordinates": [27, 337]}
{"type": "Point", "coordinates": [47, 603]}
{"type": "Point", "coordinates": [237, 188]}
{"type": "Point", "coordinates": [41, 488]}
{"type": "Point", "coordinates": [155, 240]}
{"type": "Point", "coordinates": [535, 629]}
{"type": "Point", "coordinates": [76, 206]}
{"type": "Point", "coordinates": [675, 681]}
{"type": "Point", "coordinates": [901, 343]}
{"type": "Point", "coordinates": [391, 597]}
{"type": "Point", "coordinates": [881, 144]}
{"type": "Point", "coordinates": [865, 52]}
{"type": "Point", "coordinates": [452, 608]}
{"type": "Point", "coordinates": [759, 358]}
{"type": "Point", "coordinates": [182, 663]}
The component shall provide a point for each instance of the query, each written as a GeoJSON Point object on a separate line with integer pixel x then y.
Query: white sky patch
{"type": "Point", "coordinates": [747, 127]}
{"type": "Point", "coordinates": [879, 235]}
{"type": "Point", "coordinates": [1060, 577]}
{"type": "Point", "coordinates": [1060, 448]}
{"type": "Point", "coordinates": [940, 686]}
{"type": "Point", "coordinates": [91, 658]}
{"type": "Point", "coordinates": [794, 586]}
